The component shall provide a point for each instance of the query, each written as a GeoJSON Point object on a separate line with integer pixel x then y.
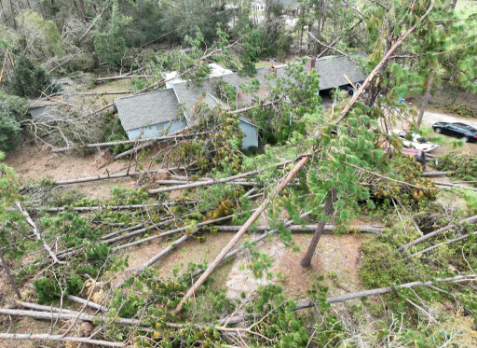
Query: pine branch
{"type": "Point", "coordinates": [469, 220]}
{"type": "Point", "coordinates": [240, 233]}
{"type": "Point", "coordinates": [37, 232]}
{"type": "Point", "coordinates": [443, 243]}
{"type": "Point", "coordinates": [60, 338]}
{"type": "Point", "coordinates": [380, 65]}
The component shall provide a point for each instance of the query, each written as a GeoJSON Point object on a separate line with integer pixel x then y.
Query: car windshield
{"type": "Point", "coordinates": [421, 140]}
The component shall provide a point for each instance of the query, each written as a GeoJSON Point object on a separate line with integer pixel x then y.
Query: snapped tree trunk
{"type": "Point", "coordinates": [327, 210]}
{"type": "Point", "coordinates": [426, 98]}
{"type": "Point", "coordinates": [10, 278]}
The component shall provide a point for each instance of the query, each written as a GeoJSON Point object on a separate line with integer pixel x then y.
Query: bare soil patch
{"type": "Point", "coordinates": [32, 164]}
{"type": "Point", "coordinates": [336, 258]}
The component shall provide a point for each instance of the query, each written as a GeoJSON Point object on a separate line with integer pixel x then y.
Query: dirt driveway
{"type": "Point", "coordinates": [432, 117]}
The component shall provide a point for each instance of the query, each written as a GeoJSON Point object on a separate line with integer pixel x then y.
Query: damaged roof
{"type": "Point", "coordinates": [333, 68]}
{"type": "Point", "coordinates": [146, 109]}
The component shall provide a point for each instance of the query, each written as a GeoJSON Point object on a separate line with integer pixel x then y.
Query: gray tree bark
{"type": "Point", "coordinates": [13, 16]}
{"type": "Point", "coordinates": [10, 278]}
{"type": "Point", "coordinates": [327, 210]}
{"type": "Point", "coordinates": [425, 100]}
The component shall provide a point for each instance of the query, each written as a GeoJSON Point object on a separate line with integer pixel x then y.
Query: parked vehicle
{"type": "Point", "coordinates": [419, 155]}
{"type": "Point", "coordinates": [416, 142]}
{"type": "Point", "coordinates": [457, 130]}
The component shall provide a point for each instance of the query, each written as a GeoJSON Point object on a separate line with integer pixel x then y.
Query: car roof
{"type": "Point", "coordinates": [463, 125]}
{"type": "Point", "coordinates": [413, 152]}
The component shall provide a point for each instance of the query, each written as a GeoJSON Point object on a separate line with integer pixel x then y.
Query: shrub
{"type": "Point", "coordinates": [12, 111]}
{"type": "Point", "coordinates": [29, 81]}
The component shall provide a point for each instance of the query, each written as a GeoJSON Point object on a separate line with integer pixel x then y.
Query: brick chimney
{"type": "Point", "coordinates": [311, 63]}
{"type": "Point", "coordinates": [272, 68]}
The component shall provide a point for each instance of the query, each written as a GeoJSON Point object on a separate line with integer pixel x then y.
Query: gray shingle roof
{"type": "Point", "coordinates": [333, 68]}
{"type": "Point", "coordinates": [147, 109]}
{"type": "Point", "coordinates": [289, 4]}
{"type": "Point", "coordinates": [190, 94]}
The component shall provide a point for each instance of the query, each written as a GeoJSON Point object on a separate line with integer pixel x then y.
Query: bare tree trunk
{"type": "Point", "coordinates": [454, 4]}
{"type": "Point", "coordinates": [426, 98]}
{"type": "Point", "coordinates": [2, 12]}
{"type": "Point", "coordinates": [60, 338]}
{"type": "Point", "coordinates": [13, 16]}
{"type": "Point", "coordinates": [83, 10]}
{"type": "Point", "coordinates": [239, 234]}
{"type": "Point", "coordinates": [41, 9]}
{"type": "Point", "coordinates": [10, 278]}
{"type": "Point", "coordinates": [327, 211]}
{"type": "Point", "coordinates": [318, 27]}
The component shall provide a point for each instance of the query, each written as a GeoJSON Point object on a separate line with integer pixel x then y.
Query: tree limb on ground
{"type": "Point", "coordinates": [60, 338]}
{"type": "Point", "coordinates": [306, 228]}
{"type": "Point", "coordinates": [118, 207]}
{"type": "Point", "coordinates": [36, 232]}
{"type": "Point", "coordinates": [433, 174]}
{"type": "Point", "coordinates": [113, 176]}
{"type": "Point", "coordinates": [168, 137]}
{"type": "Point", "coordinates": [219, 181]}
{"type": "Point", "coordinates": [469, 220]}
{"type": "Point", "coordinates": [240, 233]}
{"type": "Point", "coordinates": [443, 243]}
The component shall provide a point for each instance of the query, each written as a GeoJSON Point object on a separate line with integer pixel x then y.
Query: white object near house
{"type": "Point", "coordinates": [417, 142]}
{"type": "Point", "coordinates": [157, 113]}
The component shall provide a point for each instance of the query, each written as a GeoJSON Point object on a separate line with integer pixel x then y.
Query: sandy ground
{"type": "Point", "coordinates": [432, 117]}
{"type": "Point", "coordinates": [32, 164]}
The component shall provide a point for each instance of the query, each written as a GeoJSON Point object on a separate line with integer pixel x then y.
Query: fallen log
{"type": "Point", "coordinates": [118, 207]}
{"type": "Point", "coordinates": [256, 240]}
{"type": "Point", "coordinates": [113, 143]}
{"type": "Point", "coordinates": [240, 233]}
{"type": "Point", "coordinates": [180, 182]}
{"type": "Point", "coordinates": [443, 243]}
{"type": "Point", "coordinates": [167, 250]}
{"type": "Point", "coordinates": [101, 93]}
{"type": "Point", "coordinates": [434, 174]}
{"type": "Point", "coordinates": [88, 303]}
{"type": "Point", "coordinates": [355, 295]}
{"type": "Point", "coordinates": [446, 184]}
{"type": "Point", "coordinates": [121, 77]}
{"type": "Point", "coordinates": [44, 308]}
{"type": "Point", "coordinates": [37, 232]}
{"type": "Point", "coordinates": [219, 181]}
{"type": "Point", "coordinates": [55, 314]}
{"type": "Point", "coordinates": [164, 234]}
{"type": "Point", "coordinates": [108, 177]}
{"type": "Point", "coordinates": [59, 338]}
{"type": "Point", "coordinates": [307, 228]}
{"type": "Point", "coordinates": [469, 220]}
{"type": "Point", "coordinates": [132, 228]}
{"type": "Point", "coordinates": [133, 150]}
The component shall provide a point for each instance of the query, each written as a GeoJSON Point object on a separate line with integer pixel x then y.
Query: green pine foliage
{"type": "Point", "coordinates": [464, 164]}
{"type": "Point", "coordinates": [30, 80]}
{"type": "Point", "coordinates": [12, 111]}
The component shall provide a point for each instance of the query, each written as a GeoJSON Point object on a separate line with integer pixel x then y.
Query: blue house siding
{"type": "Point", "coordinates": [251, 135]}
{"type": "Point", "coordinates": [156, 130]}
